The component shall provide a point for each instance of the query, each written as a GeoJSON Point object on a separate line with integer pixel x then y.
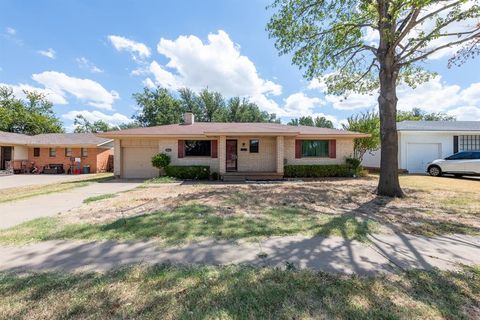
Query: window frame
{"type": "Point", "coordinates": [186, 149]}
{"type": "Point", "coordinates": [469, 142]}
{"type": "Point", "coordinates": [326, 155]}
{"type": "Point", "coordinates": [67, 153]}
{"type": "Point", "coordinates": [35, 154]}
{"type": "Point", "coordinates": [84, 152]}
{"type": "Point", "coordinates": [254, 148]}
{"type": "Point", "coordinates": [52, 154]}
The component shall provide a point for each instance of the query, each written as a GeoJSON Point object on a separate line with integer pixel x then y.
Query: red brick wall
{"type": "Point", "coordinates": [96, 158]}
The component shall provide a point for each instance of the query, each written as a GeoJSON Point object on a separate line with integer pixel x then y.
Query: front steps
{"type": "Point", "coordinates": [251, 176]}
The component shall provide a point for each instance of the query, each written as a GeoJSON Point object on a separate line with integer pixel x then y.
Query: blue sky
{"type": "Point", "coordinates": [91, 56]}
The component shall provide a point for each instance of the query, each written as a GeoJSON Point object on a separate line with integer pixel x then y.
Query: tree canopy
{"type": "Point", "coordinates": [372, 46]}
{"type": "Point", "coordinates": [320, 122]}
{"type": "Point", "coordinates": [160, 106]}
{"type": "Point", "coordinates": [33, 115]}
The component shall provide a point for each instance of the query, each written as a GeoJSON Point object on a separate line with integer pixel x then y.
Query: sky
{"type": "Point", "coordinates": [89, 57]}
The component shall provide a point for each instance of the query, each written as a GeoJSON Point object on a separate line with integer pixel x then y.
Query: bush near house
{"type": "Point", "coordinates": [188, 172]}
{"type": "Point", "coordinates": [317, 171]}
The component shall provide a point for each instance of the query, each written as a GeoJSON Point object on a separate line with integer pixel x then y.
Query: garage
{"type": "Point", "coordinates": [419, 154]}
{"type": "Point", "coordinates": [137, 162]}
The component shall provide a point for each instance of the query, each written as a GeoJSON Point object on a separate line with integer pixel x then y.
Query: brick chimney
{"type": "Point", "coordinates": [188, 118]}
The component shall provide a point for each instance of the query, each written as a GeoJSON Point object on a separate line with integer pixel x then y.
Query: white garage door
{"type": "Point", "coordinates": [137, 162]}
{"type": "Point", "coordinates": [419, 154]}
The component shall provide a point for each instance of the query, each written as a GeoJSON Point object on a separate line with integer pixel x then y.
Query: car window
{"type": "Point", "coordinates": [457, 156]}
{"type": "Point", "coordinates": [476, 155]}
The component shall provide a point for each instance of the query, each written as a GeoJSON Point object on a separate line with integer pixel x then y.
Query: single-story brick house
{"type": "Point", "coordinates": [19, 150]}
{"type": "Point", "coordinates": [228, 148]}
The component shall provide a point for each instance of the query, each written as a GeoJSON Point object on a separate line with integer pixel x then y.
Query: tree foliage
{"type": "Point", "coordinates": [34, 115]}
{"type": "Point", "coordinates": [320, 122]}
{"type": "Point", "coordinates": [160, 106]}
{"type": "Point", "coordinates": [417, 114]}
{"type": "Point", "coordinates": [367, 122]}
{"type": "Point", "coordinates": [372, 46]}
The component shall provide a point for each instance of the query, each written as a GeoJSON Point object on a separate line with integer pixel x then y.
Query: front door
{"type": "Point", "coordinates": [6, 156]}
{"type": "Point", "coordinates": [231, 157]}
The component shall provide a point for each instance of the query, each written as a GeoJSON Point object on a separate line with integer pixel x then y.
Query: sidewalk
{"type": "Point", "coordinates": [16, 212]}
{"type": "Point", "coordinates": [384, 254]}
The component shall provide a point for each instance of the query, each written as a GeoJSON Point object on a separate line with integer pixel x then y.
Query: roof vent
{"type": "Point", "coordinates": [188, 118]}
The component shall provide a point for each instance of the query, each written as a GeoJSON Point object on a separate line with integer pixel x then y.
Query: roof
{"type": "Point", "coordinates": [53, 139]}
{"type": "Point", "coordinates": [438, 126]}
{"type": "Point", "coordinates": [230, 128]}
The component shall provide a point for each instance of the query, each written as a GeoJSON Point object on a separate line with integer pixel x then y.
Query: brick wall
{"type": "Point", "coordinates": [97, 158]}
{"type": "Point", "coordinates": [344, 149]}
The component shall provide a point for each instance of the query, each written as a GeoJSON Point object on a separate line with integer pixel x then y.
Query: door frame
{"type": "Point", "coordinates": [227, 169]}
{"type": "Point", "coordinates": [2, 156]}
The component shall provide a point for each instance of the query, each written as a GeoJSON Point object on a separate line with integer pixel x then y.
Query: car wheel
{"type": "Point", "coordinates": [434, 171]}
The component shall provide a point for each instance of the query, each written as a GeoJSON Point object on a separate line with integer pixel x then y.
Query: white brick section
{"type": "Point", "coordinates": [117, 158]}
{"type": "Point", "coordinates": [280, 153]}
{"type": "Point", "coordinates": [222, 145]}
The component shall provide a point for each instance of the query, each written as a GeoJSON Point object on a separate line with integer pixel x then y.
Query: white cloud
{"type": "Point", "coordinates": [298, 104]}
{"type": "Point", "coordinates": [87, 90]}
{"type": "Point", "coordinates": [50, 95]}
{"type": "Point", "coordinates": [95, 115]}
{"type": "Point", "coordinates": [10, 31]}
{"type": "Point", "coordinates": [352, 101]}
{"type": "Point", "coordinates": [138, 50]}
{"type": "Point", "coordinates": [84, 63]}
{"type": "Point", "coordinates": [216, 64]}
{"type": "Point", "coordinates": [50, 53]}
{"type": "Point", "coordinates": [470, 113]}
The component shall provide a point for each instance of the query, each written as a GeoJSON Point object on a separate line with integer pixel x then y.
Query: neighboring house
{"type": "Point", "coordinates": [420, 142]}
{"type": "Point", "coordinates": [55, 148]}
{"type": "Point", "coordinates": [228, 147]}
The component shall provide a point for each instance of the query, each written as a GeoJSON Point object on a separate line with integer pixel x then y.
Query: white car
{"type": "Point", "coordinates": [463, 163]}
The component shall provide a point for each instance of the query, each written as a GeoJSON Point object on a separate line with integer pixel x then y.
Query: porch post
{"type": "Point", "coordinates": [117, 158]}
{"type": "Point", "coordinates": [280, 153]}
{"type": "Point", "coordinates": [222, 149]}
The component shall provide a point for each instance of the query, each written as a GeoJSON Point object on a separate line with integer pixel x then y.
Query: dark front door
{"type": "Point", "coordinates": [6, 156]}
{"type": "Point", "coordinates": [231, 157]}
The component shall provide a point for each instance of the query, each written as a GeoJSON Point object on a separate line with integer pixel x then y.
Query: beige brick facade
{"type": "Point", "coordinates": [274, 153]}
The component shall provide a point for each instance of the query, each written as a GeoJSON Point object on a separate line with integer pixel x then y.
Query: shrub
{"type": "Point", "coordinates": [215, 176]}
{"type": "Point", "coordinates": [188, 172]}
{"type": "Point", "coordinates": [317, 171]}
{"type": "Point", "coordinates": [354, 165]}
{"type": "Point", "coordinates": [160, 160]}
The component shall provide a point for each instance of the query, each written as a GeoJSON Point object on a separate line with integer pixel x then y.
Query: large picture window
{"type": "Point", "coordinates": [315, 148]}
{"type": "Point", "coordinates": [198, 148]}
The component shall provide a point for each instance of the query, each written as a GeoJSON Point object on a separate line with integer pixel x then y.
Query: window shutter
{"type": "Point", "coordinates": [181, 148]}
{"type": "Point", "coordinates": [298, 149]}
{"type": "Point", "coordinates": [214, 148]}
{"type": "Point", "coordinates": [332, 149]}
{"type": "Point", "coordinates": [455, 144]}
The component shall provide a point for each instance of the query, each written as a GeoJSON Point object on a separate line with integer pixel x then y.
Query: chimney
{"type": "Point", "coordinates": [188, 118]}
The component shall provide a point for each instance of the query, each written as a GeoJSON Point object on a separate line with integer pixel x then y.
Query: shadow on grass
{"type": "Point", "coordinates": [241, 292]}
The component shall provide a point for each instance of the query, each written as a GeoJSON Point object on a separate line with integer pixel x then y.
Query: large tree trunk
{"type": "Point", "coordinates": [388, 184]}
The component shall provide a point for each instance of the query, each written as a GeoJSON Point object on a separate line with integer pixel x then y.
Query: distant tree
{"type": "Point", "coordinates": [367, 122]}
{"type": "Point", "coordinates": [34, 115]}
{"type": "Point", "coordinates": [129, 125]}
{"type": "Point", "coordinates": [158, 107]}
{"type": "Point", "coordinates": [212, 105]}
{"type": "Point", "coordinates": [320, 122]}
{"type": "Point", "coordinates": [417, 114]}
{"type": "Point", "coordinates": [82, 125]}
{"type": "Point", "coordinates": [364, 46]}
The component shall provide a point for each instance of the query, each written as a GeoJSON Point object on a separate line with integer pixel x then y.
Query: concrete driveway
{"type": "Point", "coordinates": [16, 212]}
{"type": "Point", "coordinates": [23, 180]}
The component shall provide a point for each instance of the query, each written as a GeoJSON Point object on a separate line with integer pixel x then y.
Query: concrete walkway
{"type": "Point", "coordinates": [384, 254]}
{"type": "Point", "coordinates": [16, 212]}
{"type": "Point", "coordinates": [25, 180]}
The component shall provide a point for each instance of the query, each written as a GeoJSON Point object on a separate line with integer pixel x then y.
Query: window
{"type": "Point", "coordinates": [36, 152]}
{"type": "Point", "coordinates": [68, 152]}
{"type": "Point", "coordinates": [460, 156]}
{"type": "Point", "coordinates": [84, 152]}
{"type": "Point", "coordinates": [254, 146]}
{"type": "Point", "coordinates": [52, 152]}
{"type": "Point", "coordinates": [315, 148]}
{"type": "Point", "coordinates": [468, 143]}
{"type": "Point", "coordinates": [198, 148]}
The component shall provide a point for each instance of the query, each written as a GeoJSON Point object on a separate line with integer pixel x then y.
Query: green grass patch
{"type": "Point", "coordinates": [160, 180]}
{"type": "Point", "coordinates": [194, 222]}
{"type": "Point", "coordinates": [99, 197]}
{"type": "Point", "coordinates": [239, 292]}
{"type": "Point", "coordinates": [12, 194]}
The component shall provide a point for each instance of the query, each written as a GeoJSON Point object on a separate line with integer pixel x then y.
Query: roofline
{"type": "Point", "coordinates": [443, 131]}
{"type": "Point", "coordinates": [237, 134]}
